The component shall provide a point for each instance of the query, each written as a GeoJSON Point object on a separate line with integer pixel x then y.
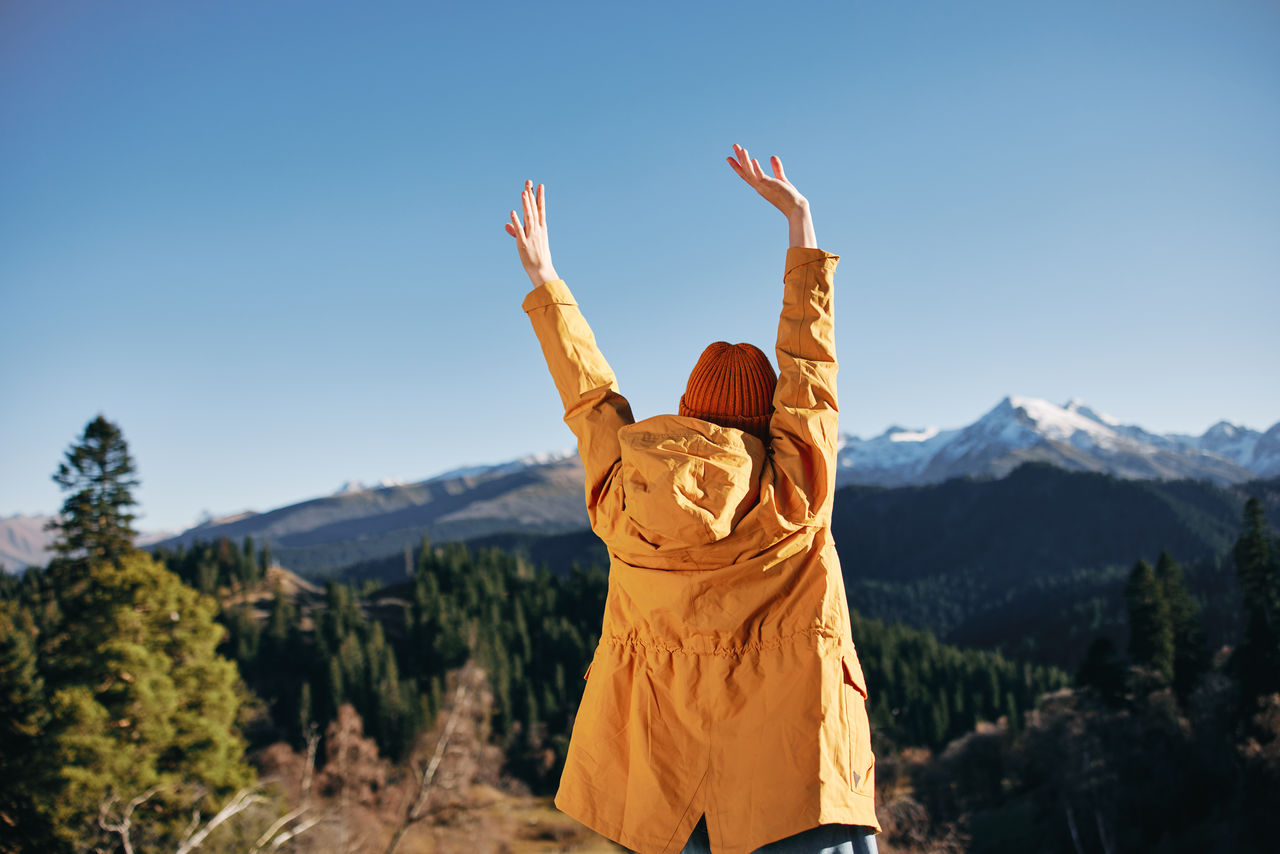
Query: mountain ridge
{"type": "Point", "coordinates": [1073, 436]}
{"type": "Point", "coordinates": [543, 493]}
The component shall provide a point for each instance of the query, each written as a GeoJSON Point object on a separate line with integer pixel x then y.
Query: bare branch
{"type": "Point", "coordinates": [279, 825]}
{"type": "Point", "coordinates": [417, 808]}
{"type": "Point", "coordinates": [124, 826]}
{"type": "Point", "coordinates": [240, 802]}
{"type": "Point", "coordinates": [276, 826]}
{"type": "Point", "coordinates": [1102, 833]}
{"type": "Point", "coordinates": [417, 812]}
{"type": "Point", "coordinates": [297, 831]}
{"type": "Point", "coordinates": [1071, 824]}
{"type": "Point", "coordinates": [308, 770]}
{"type": "Point", "coordinates": [191, 828]}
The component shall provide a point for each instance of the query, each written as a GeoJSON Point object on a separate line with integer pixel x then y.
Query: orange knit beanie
{"type": "Point", "coordinates": [732, 385]}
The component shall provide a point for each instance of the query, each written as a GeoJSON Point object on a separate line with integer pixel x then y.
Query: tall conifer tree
{"type": "Point", "coordinates": [1150, 626]}
{"type": "Point", "coordinates": [25, 772]}
{"type": "Point", "coordinates": [1190, 653]}
{"type": "Point", "coordinates": [1257, 658]}
{"type": "Point", "coordinates": [96, 522]}
{"type": "Point", "coordinates": [137, 694]}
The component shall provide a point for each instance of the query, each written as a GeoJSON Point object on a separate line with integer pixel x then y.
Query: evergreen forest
{"type": "Point", "coordinates": [151, 701]}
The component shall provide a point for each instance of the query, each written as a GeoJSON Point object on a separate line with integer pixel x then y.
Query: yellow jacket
{"type": "Point", "coordinates": [726, 681]}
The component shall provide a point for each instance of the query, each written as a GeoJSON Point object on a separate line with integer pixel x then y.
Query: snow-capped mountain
{"type": "Point", "coordinates": [360, 486]}
{"type": "Point", "coordinates": [527, 461]}
{"type": "Point", "coordinates": [542, 493]}
{"type": "Point", "coordinates": [1258, 452]}
{"type": "Point", "coordinates": [1073, 436]}
{"type": "Point", "coordinates": [542, 459]}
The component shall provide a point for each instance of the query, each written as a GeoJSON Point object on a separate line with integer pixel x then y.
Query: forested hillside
{"type": "Point", "coordinates": [943, 717]}
{"type": "Point", "coordinates": [139, 689]}
{"type": "Point", "coordinates": [534, 632]}
{"type": "Point", "coordinates": [1033, 564]}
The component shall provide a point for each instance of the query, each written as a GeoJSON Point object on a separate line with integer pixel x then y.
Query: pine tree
{"type": "Point", "coordinates": [137, 695]}
{"type": "Point", "coordinates": [140, 697]}
{"type": "Point", "coordinates": [96, 523]}
{"type": "Point", "coordinates": [1102, 670]}
{"type": "Point", "coordinates": [25, 773]}
{"type": "Point", "coordinates": [1150, 626]}
{"type": "Point", "coordinates": [249, 562]}
{"type": "Point", "coordinates": [1190, 653]}
{"type": "Point", "coordinates": [1257, 658]}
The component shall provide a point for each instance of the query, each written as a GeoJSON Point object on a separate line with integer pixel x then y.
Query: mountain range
{"type": "Point", "coordinates": [1072, 436]}
{"type": "Point", "coordinates": [542, 494]}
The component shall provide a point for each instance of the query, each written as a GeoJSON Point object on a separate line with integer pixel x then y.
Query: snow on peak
{"type": "Point", "coordinates": [353, 486]}
{"type": "Point", "coordinates": [1024, 422]}
{"type": "Point", "coordinates": [1075, 404]}
{"type": "Point", "coordinates": [1222, 430]}
{"type": "Point", "coordinates": [1060, 423]}
{"type": "Point", "coordinates": [540, 459]}
{"type": "Point", "coordinates": [904, 435]}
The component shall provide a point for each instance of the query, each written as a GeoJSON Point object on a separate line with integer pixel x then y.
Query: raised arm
{"type": "Point", "coordinates": [804, 429]}
{"type": "Point", "coordinates": [593, 407]}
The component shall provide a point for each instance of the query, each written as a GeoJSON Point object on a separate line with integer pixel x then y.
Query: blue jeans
{"type": "Point", "coordinates": [824, 839]}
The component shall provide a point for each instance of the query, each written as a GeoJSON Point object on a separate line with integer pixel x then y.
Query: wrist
{"type": "Point", "coordinates": [800, 228]}
{"type": "Point", "coordinates": [542, 275]}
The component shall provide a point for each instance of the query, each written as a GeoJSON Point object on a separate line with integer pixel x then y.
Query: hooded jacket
{"type": "Point", "coordinates": [726, 682]}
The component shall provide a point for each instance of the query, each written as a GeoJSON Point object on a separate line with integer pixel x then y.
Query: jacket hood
{"type": "Point", "coordinates": [687, 482]}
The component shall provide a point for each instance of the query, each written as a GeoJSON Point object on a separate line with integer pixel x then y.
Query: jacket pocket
{"type": "Point", "coordinates": [588, 673]}
{"type": "Point", "coordinates": [858, 727]}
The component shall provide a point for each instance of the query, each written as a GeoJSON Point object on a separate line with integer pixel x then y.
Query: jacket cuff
{"type": "Point", "coordinates": [550, 293]}
{"type": "Point", "coordinates": [798, 257]}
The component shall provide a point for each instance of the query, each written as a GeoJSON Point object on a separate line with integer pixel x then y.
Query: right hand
{"type": "Point", "coordinates": [775, 190]}
{"type": "Point", "coordinates": [779, 192]}
{"type": "Point", "coordinates": [531, 237]}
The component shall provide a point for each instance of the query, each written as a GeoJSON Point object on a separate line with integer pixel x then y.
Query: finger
{"type": "Point", "coordinates": [776, 163]}
{"type": "Point", "coordinates": [756, 170]}
{"type": "Point", "coordinates": [743, 165]}
{"type": "Point", "coordinates": [514, 229]}
{"type": "Point", "coordinates": [530, 221]}
{"type": "Point", "coordinates": [542, 204]}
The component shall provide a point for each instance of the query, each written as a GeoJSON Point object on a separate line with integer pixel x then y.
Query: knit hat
{"type": "Point", "coordinates": [732, 385]}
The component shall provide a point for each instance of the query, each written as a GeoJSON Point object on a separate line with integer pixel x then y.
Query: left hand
{"type": "Point", "coordinates": [531, 237]}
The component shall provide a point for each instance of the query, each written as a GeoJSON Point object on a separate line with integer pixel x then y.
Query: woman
{"type": "Point", "coordinates": [724, 709]}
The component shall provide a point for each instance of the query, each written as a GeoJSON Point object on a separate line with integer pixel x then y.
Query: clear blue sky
{"type": "Point", "coordinates": [266, 237]}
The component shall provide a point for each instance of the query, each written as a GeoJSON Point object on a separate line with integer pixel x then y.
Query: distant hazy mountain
{"type": "Point", "coordinates": [543, 493]}
{"type": "Point", "coordinates": [23, 542]}
{"type": "Point", "coordinates": [1072, 436]}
